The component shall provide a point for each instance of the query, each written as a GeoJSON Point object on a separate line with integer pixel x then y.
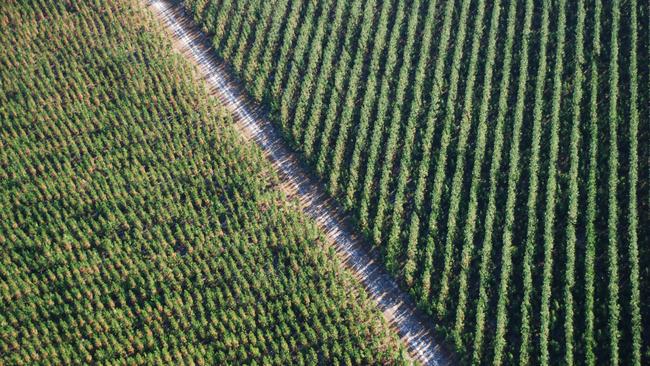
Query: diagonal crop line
{"type": "Point", "coordinates": [397, 307]}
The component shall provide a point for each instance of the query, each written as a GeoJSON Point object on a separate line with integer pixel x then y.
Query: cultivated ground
{"type": "Point", "coordinates": [361, 258]}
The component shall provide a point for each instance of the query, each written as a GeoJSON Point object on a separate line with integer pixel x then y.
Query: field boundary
{"type": "Point", "coordinates": [414, 328]}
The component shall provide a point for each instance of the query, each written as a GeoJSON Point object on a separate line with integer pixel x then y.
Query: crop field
{"type": "Point", "coordinates": [135, 226]}
{"type": "Point", "coordinates": [497, 152]}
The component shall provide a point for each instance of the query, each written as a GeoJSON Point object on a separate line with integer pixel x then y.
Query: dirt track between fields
{"type": "Point", "coordinates": [397, 307]}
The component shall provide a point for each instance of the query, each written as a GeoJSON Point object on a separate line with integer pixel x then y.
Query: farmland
{"type": "Point", "coordinates": [136, 227]}
{"type": "Point", "coordinates": [496, 152]}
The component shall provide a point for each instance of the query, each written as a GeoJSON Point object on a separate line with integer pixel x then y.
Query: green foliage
{"type": "Point", "coordinates": [470, 222]}
{"type": "Point", "coordinates": [457, 135]}
{"type": "Point", "coordinates": [363, 214]}
{"type": "Point", "coordinates": [590, 250]}
{"type": "Point", "coordinates": [613, 306]}
{"type": "Point", "coordinates": [311, 77]}
{"type": "Point", "coordinates": [533, 186]}
{"type": "Point", "coordinates": [349, 105]}
{"type": "Point", "coordinates": [465, 124]}
{"type": "Point", "coordinates": [490, 214]}
{"type": "Point", "coordinates": [394, 128]}
{"type": "Point", "coordinates": [136, 228]}
{"type": "Point", "coordinates": [299, 58]}
{"type": "Point", "coordinates": [551, 188]}
{"type": "Point", "coordinates": [633, 181]}
{"type": "Point", "coordinates": [394, 243]}
{"type": "Point", "coordinates": [574, 189]}
{"type": "Point", "coordinates": [369, 99]}
{"type": "Point", "coordinates": [514, 173]}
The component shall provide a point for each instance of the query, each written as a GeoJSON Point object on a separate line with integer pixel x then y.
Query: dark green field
{"type": "Point", "coordinates": [496, 151]}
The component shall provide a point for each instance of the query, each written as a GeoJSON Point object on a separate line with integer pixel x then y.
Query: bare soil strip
{"type": "Point", "coordinates": [398, 308]}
